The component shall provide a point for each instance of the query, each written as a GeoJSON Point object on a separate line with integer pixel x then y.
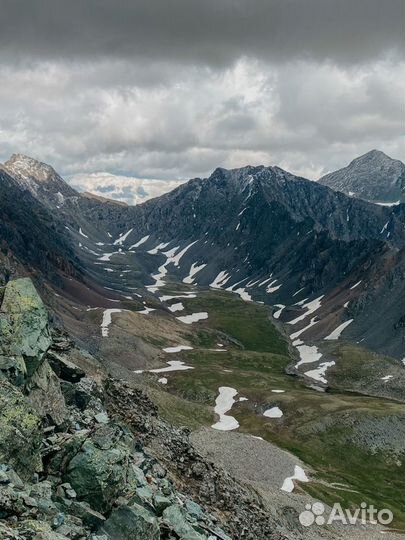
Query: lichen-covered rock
{"type": "Point", "coordinates": [131, 523]}
{"type": "Point", "coordinates": [98, 471]}
{"type": "Point", "coordinates": [175, 519]}
{"type": "Point", "coordinates": [20, 435]}
{"type": "Point", "coordinates": [45, 394]}
{"type": "Point", "coordinates": [24, 333]}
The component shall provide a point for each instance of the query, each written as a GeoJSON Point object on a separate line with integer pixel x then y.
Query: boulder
{"type": "Point", "coordinates": [20, 434]}
{"type": "Point", "coordinates": [64, 369]}
{"type": "Point", "coordinates": [175, 519]}
{"type": "Point", "coordinates": [24, 333]}
{"type": "Point", "coordinates": [46, 396]}
{"type": "Point", "coordinates": [98, 471]}
{"type": "Point", "coordinates": [131, 523]}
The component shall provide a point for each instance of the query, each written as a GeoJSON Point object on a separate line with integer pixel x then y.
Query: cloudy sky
{"type": "Point", "coordinates": [127, 98]}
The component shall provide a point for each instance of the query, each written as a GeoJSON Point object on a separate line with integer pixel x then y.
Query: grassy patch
{"type": "Point", "coordinates": [315, 426]}
{"type": "Point", "coordinates": [246, 322]}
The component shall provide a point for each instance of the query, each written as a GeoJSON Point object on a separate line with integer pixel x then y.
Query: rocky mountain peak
{"type": "Point", "coordinates": [39, 178]}
{"type": "Point", "coordinates": [374, 176]}
{"type": "Point", "coordinates": [28, 167]}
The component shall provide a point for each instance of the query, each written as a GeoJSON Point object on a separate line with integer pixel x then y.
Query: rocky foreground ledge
{"type": "Point", "coordinates": [83, 456]}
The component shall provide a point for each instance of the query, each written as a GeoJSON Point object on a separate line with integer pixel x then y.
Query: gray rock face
{"type": "Point", "coordinates": [20, 437]}
{"type": "Point", "coordinates": [24, 332]}
{"type": "Point", "coordinates": [373, 177]}
{"type": "Point", "coordinates": [131, 523]}
{"type": "Point", "coordinates": [98, 471]}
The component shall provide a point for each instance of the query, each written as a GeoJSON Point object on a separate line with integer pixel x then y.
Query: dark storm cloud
{"type": "Point", "coordinates": [212, 32]}
{"type": "Point", "coordinates": [127, 98]}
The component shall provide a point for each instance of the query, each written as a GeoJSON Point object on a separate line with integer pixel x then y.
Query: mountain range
{"type": "Point", "coordinates": [248, 226]}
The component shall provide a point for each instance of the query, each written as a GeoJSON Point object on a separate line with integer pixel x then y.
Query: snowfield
{"type": "Point", "coordinates": [223, 404]}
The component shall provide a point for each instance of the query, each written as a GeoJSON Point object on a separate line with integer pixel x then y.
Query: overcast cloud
{"type": "Point", "coordinates": [121, 95]}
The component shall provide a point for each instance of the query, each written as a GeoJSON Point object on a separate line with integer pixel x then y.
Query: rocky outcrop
{"type": "Point", "coordinates": [24, 332]}
{"type": "Point", "coordinates": [20, 438]}
{"type": "Point", "coordinates": [73, 469]}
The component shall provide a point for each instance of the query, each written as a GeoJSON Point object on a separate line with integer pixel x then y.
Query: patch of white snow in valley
{"type": "Point", "coordinates": [346, 304]}
{"type": "Point", "coordinates": [176, 258]}
{"type": "Point", "coordinates": [243, 294]}
{"type": "Point", "coordinates": [82, 233]}
{"type": "Point", "coordinates": [319, 372]}
{"type": "Point", "coordinates": [252, 283]}
{"type": "Point", "coordinates": [162, 380]}
{"type": "Point", "coordinates": [278, 391]}
{"type": "Point", "coordinates": [299, 332]}
{"type": "Point", "coordinates": [387, 378]}
{"type": "Point", "coordinates": [174, 365]}
{"type": "Point", "coordinates": [388, 203]}
{"type": "Point", "coordinates": [277, 313]}
{"type": "Point", "coordinates": [156, 250]}
{"type": "Point", "coordinates": [223, 404]}
{"type": "Point", "coordinates": [265, 281]}
{"type": "Point", "coordinates": [177, 348]}
{"type": "Point", "coordinates": [220, 280]}
{"type": "Point", "coordinates": [298, 292]}
{"type": "Point", "coordinates": [311, 307]}
{"type": "Point", "coordinates": [338, 331]}
{"type": "Point", "coordinates": [232, 287]}
{"type": "Point", "coordinates": [159, 281]}
{"type": "Point", "coordinates": [194, 317]}
{"type": "Point", "coordinates": [140, 242]}
{"type": "Point", "coordinates": [274, 412]}
{"type": "Point", "coordinates": [167, 297]}
{"type": "Point", "coordinates": [121, 239]}
{"type": "Point", "coordinates": [241, 212]}
{"type": "Point", "coordinates": [307, 354]}
{"type": "Point", "coordinates": [356, 285]}
{"type": "Point", "coordinates": [384, 228]}
{"type": "Point", "coordinates": [171, 257]}
{"type": "Point", "coordinates": [193, 271]}
{"type": "Point", "coordinates": [176, 307]}
{"type": "Point", "coordinates": [107, 319]}
{"type": "Point", "coordinates": [107, 256]}
{"type": "Point", "coordinates": [145, 311]}
{"type": "Point", "coordinates": [272, 287]}
{"type": "Point", "coordinates": [299, 474]}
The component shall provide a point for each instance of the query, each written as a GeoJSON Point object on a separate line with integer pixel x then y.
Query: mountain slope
{"type": "Point", "coordinates": [374, 176]}
{"type": "Point", "coordinates": [31, 234]}
{"type": "Point", "coordinates": [258, 231]}
{"type": "Point", "coordinates": [258, 224]}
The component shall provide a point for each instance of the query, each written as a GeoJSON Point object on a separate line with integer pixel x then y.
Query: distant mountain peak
{"type": "Point", "coordinates": [39, 178]}
{"type": "Point", "coordinates": [373, 176]}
